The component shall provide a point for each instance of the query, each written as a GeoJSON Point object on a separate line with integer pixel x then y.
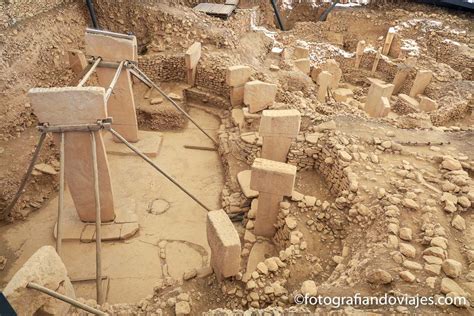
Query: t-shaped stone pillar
{"type": "Point", "coordinates": [191, 58]}
{"type": "Point", "coordinates": [378, 98]}
{"type": "Point", "coordinates": [273, 180]}
{"type": "Point", "coordinates": [76, 106]}
{"type": "Point", "coordinates": [278, 128]}
{"type": "Point", "coordinates": [224, 242]}
{"type": "Point", "coordinates": [116, 47]}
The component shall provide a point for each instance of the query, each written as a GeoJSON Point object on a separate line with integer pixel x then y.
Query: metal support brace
{"type": "Point", "coordinates": [111, 87]}
{"type": "Point", "coordinates": [98, 222]}
{"type": "Point", "coordinates": [135, 150]}
{"type": "Point", "coordinates": [64, 298]}
{"type": "Point", "coordinates": [140, 75]}
{"type": "Point", "coordinates": [59, 229]}
{"type": "Point", "coordinates": [89, 73]}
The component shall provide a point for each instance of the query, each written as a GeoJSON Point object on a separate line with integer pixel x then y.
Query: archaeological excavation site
{"type": "Point", "coordinates": [252, 157]}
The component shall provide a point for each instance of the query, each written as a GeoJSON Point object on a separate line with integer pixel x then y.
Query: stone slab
{"type": "Point", "coordinates": [300, 52]}
{"type": "Point", "coordinates": [427, 104]}
{"type": "Point", "coordinates": [111, 46]}
{"type": "Point", "coordinates": [378, 90]}
{"type": "Point", "coordinates": [284, 123]}
{"type": "Point", "coordinates": [193, 55]}
{"type": "Point", "coordinates": [272, 177]}
{"type": "Point", "coordinates": [422, 80]}
{"type": "Point", "coordinates": [259, 95]}
{"type": "Point", "coordinates": [74, 229]}
{"type": "Point", "coordinates": [225, 245]}
{"type": "Point", "coordinates": [68, 105]}
{"type": "Point", "coordinates": [77, 61]}
{"type": "Point", "coordinates": [304, 65]}
{"type": "Point", "coordinates": [45, 268]}
{"type": "Point", "coordinates": [149, 144]}
{"type": "Point", "coordinates": [324, 81]}
{"type": "Point", "coordinates": [267, 214]}
{"type": "Point", "coordinates": [237, 96]}
{"type": "Point", "coordinates": [243, 178]}
{"type": "Point", "coordinates": [238, 75]}
{"type": "Point", "coordinates": [73, 106]}
{"type": "Point", "coordinates": [276, 148]}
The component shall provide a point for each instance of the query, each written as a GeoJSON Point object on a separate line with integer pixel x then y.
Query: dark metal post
{"type": "Point", "coordinates": [90, 7]}
{"type": "Point", "coordinates": [277, 14]}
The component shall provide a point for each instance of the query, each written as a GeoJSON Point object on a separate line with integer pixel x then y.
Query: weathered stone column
{"type": "Point", "coordinates": [324, 81]}
{"type": "Point", "coordinates": [45, 268]}
{"type": "Point", "coordinates": [192, 57]}
{"type": "Point", "coordinates": [236, 77]}
{"type": "Point", "coordinates": [388, 41]}
{"type": "Point", "coordinates": [378, 98]}
{"type": "Point", "coordinates": [115, 47]}
{"type": "Point", "coordinates": [273, 180]}
{"type": "Point", "coordinates": [278, 128]}
{"type": "Point", "coordinates": [225, 245]}
{"type": "Point", "coordinates": [359, 53]}
{"type": "Point", "coordinates": [422, 80]}
{"type": "Point", "coordinates": [74, 106]}
{"type": "Point", "coordinates": [77, 61]}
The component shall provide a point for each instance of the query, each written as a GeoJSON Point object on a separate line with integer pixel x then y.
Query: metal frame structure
{"type": "Point", "coordinates": [102, 124]}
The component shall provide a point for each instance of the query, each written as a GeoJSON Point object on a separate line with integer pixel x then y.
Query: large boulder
{"type": "Point", "coordinates": [45, 268]}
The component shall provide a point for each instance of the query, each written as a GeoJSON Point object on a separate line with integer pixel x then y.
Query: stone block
{"type": "Point", "coordinates": [333, 68]}
{"type": "Point", "coordinates": [77, 61]}
{"type": "Point", "coordinates": [388, 40]}
{"type": "Point", "coordinates": [409, 101]}
{"type": "Point", "coordinates": [193, 55]}
{"type": "Point", "coordinates": [378, 90]}
{"type": "Point", "coordinates": [324, 81]}
{"type": "Point", "coordinates": [238, 75]}
{"type": "Point", "coordinates": [272, 177]}
{"type": "Point", "coordinates": [359, 53]}
{"type": "Point", "coordinates": [342, 94]}
{"type": "Point", "coordinates": [301, 52]}
{"type": "Point", "coordinates": [267, 214]}
{"type": "Point", "coordinates": [68, 105]}
{"type": "Point", "coordinates": [237, 96]}
{"type": "Point", "coordinates": [276, 148]}
{"type": "Point", "coordinates": [121, 104]}
{"type": "Point", "coordinates": [243, 178]}
{"type": "Point", "coordinates": [427, 104]}
{"type": "Point", "coordinates": [303, 65]}
{"type": "Point", "coordinates": [111, 46]}
{"type": "Point", "coordinates": [259, 95]}
{"type": "Point", "coordinates": [422, 80]}
{"type": "Point", "coordinates": [284, 123]}
{"type": "Point", "coordinates": [225, 245]}
{"type": "Point", "coordinates": [45, 268]}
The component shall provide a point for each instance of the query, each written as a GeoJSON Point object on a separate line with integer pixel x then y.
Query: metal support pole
{"type": "Point", "coordinates": [59, 227]}
{"type": "Point", "coordinates": [111, 87]}
{"type": "Point", "coordinates": [90, 7]}
{"type": "Point", "coordinates": [135, 150]}
{"type": "Point", "coordinates": [98, 223]}
{"type": "Point", "coordinates": [10, 206]}
{"type": "Point", "coordinates": [64, 298]}
{"type": "Point", "coordinates": [89, 73]}
{"type": "Point", "coordinates": [148, 82]}
{"type": "Point", "coordinates": [277, 15]}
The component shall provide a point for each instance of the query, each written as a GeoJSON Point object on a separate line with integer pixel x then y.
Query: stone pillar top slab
{"type": "Point", "coordinates": [193, 55]}
{"type": "Point", "coordinates": [68, 105]}
{"type": "Point", "coordinates": [284, 123]}
{"type": "Point", "coordinates": [111, 46]}
{"type": "Point", "coordinates": [238, 75]}
{"type": "Point", "coordinates": [272, 177]}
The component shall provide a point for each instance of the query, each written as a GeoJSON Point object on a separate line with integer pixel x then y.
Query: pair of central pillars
{"type": "Point", "coordinates": [271, 176]}
{"type": "Point", "coordinates": [72, 106]}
